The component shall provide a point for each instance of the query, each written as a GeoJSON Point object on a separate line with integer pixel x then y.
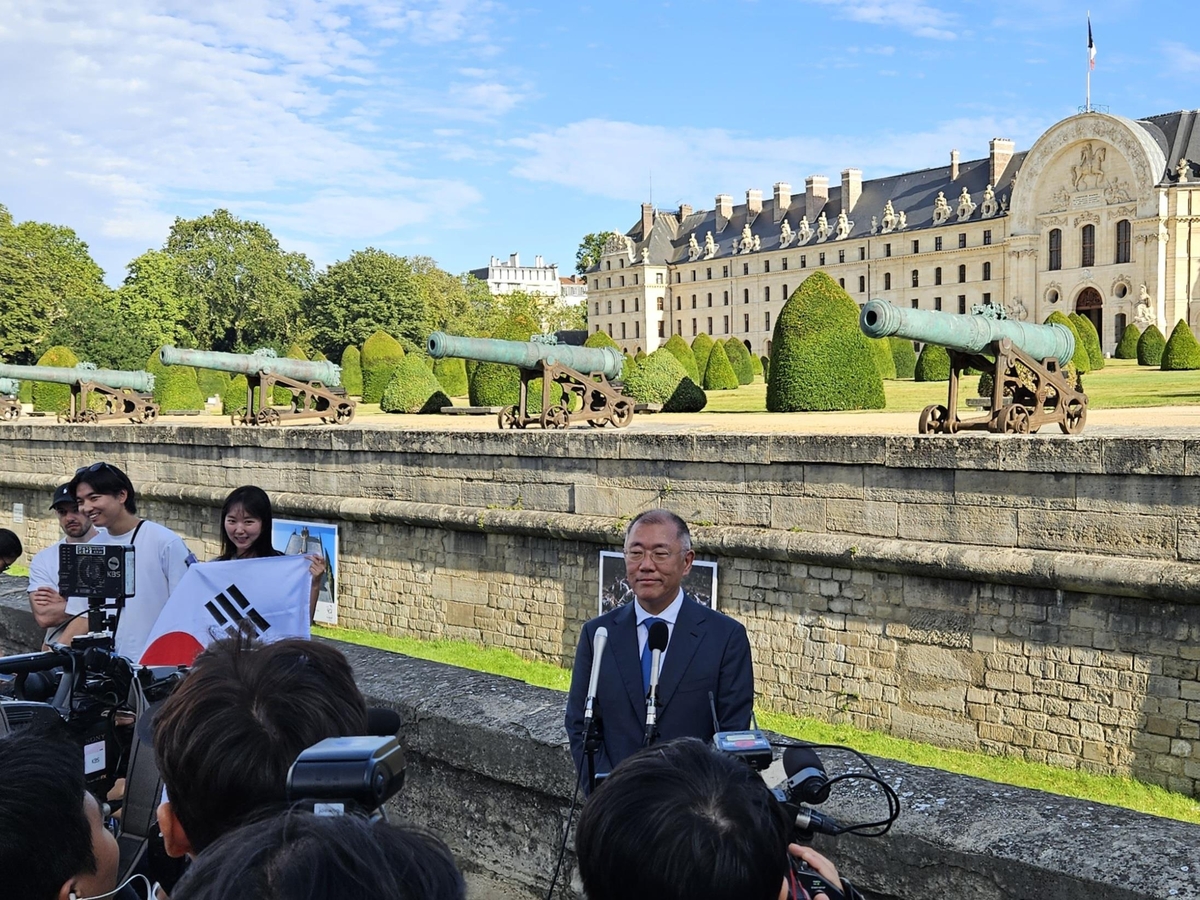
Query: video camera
{"type": "Point", "coordinates": [341, 775]}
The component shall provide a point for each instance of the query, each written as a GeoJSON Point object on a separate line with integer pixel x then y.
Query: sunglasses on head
{"type": "Point", "coordinates": [94, 467]}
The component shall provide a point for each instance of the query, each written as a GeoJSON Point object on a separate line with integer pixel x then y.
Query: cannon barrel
{"type": "Point", "coordinates": [327, 373]}
{"type": "Point", "coordinates": [10, 387]}
{"type": "Point", "coordinates": [142, 382]}
{"type": "Point", "coordinates": [966, 334]}
{"type": "Point", "coordinates": [527, 355]}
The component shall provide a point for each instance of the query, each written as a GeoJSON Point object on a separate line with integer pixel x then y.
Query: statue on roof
{"type": "Point", "coordinates": [844, 225]}
{"type": "Point", "coordinates": [693, 248]}
{"type": "Point", "coordinates": [966, 205]}
{"type": "Point", "coordinates": [989, 207]}
{"type": "Point", "coordinates": [874, 225]}
{"type": "Point", "coordinates": [941, 209]}
{"type": "Point", "coordinates": [747, 242]}
{"type": "Point", "coordinates": [710, 246]}
{"type": "Point", "coordinates": [823, 229]}
{"type": "Point", "coordinates": [901, 220]}
{"type": "Point", "coordinates": [1183, 170]}
{"type": "Point", "coordinates": [645, 255]}
{"type": "Point", "coordinates": [889, 218]}
{"type": "Point", "coordinates": [785, 235]}
{"type": "Point", "coordinates": [805, 230]}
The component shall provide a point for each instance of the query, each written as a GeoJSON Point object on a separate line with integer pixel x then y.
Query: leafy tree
{"type": "Point", "coordinates": [369, 291]}
{"type": "Point", "coordinates": [678, 348]}
{"type": "Point", "coordinates": [1150, 347]}
{"type": "Point", "coordinates": [591, 247]}
{"type": "Point", "coordinates": [242, 288]}
{"type": "Point", "coordinates": [1182, 351]}
{"type": "Point", "coordinates": [1127, 346]}
{"type": "Point", "coordinates": [719, 374]}
{"type": "Point", "coordinates": [904, 358]}
{"type": "Point", "coordinates": [352, 374]}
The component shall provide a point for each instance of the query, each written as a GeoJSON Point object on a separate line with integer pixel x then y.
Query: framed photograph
{"type": "Point", "coordinates": [292, 537]}
{"type": "Point", "coordinates": [615, 591]}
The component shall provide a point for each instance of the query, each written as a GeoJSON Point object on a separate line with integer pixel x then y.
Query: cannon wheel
{"type": "Point", "coordinates": [239, 417]}
{"type": "Point", "coordinates": [1075, 416]}
{"type": "Point", "coordinates": [934, 419]}
{"type": "Point", "coordinates": [622, 413]}
{"type": "Point", "coordinates": [11, 413]}
{"type": "Point", "coordinates": [556, 417]}
{"type": "Point", "coordinates": [345, 413]}
{"type": "Point", "coordinates": [1016, 420]}
{"type": "Point", "coordinates": [149, 416]}
{"type": "Point", "coordinates": [267, 416]}
{"type": "Point", "coordinates": [508, 417]}
{"type": "Point", "coordinates": [597, 423]}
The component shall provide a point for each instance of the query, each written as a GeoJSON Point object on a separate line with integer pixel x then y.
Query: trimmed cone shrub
{"type": "Point", "coordinates": [702, 345]}
{"type": "Point", "coordinates": [1182, 351]}
{"type": "Point", "coordinates": [882, 351]}
{"type": "Point", "coordinates": [1150, 347]}
{"type": "Point", "coordinates": [904, 357]}
{"type": "Point", "coordinates": [766, 367]}
{"type": "Point", "coordinates": [55, 398]}
{"type": "Point", "coordinates": [640, 355]}
{"type": "Point", "coordinates": [628, 364]}
{"type": "Point", "coordinates": [1081, 360]}
{"type": "Point", "coordinates": [1091, 340]}
{"type": "Point", "coordinates": [819, 358]}
{"type": "Point", "coordinates": [233, 397]}
{"type": "Point", "coordinates": [661, 378]}
{"type": "Point", "coordinates": [26, 393]}
{"type": "Point", "coordinates": [318, 356]}
{"type": "Point", "coordinates": [739, 358]}
{"type": "Point", "coordinates": [451, 373]}
{"type": "Point", "coordinates": [352, 374]}
{"type": "Point", "coordinates": [719, 374]}
{"type": "Point", "coordinates": [282, 396]}
{"type": "Point", "coordinates": [933, 364]}
{"type": "Point", "coordinates": [211, 382]}
{"type": "Point", "coordinates": [686, 397]}
{"type": "Point", "coordinates": [756, 365]}
{"type": "Point", "coordinates": [1127, 346]}
{"type": "Point", "coordinates": [177, 389]}
{"type": "Point", "coordinates": [600, 339]}
{"type": "Point", "coordinates": [413, 389]}
{"type": "Point", "coordinates": [381, 353]}
{"type": "Point", "coordinates": [678, 348]}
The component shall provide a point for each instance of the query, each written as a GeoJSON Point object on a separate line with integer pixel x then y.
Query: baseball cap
{"type": "Point", "coordinates": [62, 494]}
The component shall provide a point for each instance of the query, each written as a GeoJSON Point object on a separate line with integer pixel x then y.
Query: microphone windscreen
{"type": "Point", "coordinates": [797, 759]}
{"type": "Point", "coordinates": [658, 637]}
{"type": "Point", "coordinates": [382, 721]}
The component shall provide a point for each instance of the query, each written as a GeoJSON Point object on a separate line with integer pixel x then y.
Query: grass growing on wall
{"type": "Point", "coordinates": [1108, 789]}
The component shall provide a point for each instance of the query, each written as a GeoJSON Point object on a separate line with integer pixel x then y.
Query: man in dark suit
{"type": "Point", "coordinates": [707, 652]}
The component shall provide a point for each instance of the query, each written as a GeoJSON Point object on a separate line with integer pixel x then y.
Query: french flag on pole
{"type": "Point", "coordinates": [266, 599]}
{"type": "Point", "coordinates": [1091, 45]}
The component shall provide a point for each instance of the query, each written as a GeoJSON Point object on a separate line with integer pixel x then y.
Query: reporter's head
{"type": "Point", "coordinates": [226, 737]}
{"type": "Point", "coordinates": [299, 856]}
{"type": "Point", "coordinates": [680, 820]}
{"type": "Point", "coordinates": [52, 838]}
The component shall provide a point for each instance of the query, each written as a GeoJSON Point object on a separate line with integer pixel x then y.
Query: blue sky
{"type": "Point", "coordinates": [463, 129]}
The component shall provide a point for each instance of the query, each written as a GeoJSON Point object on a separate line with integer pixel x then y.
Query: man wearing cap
{"type": "Point", "coordinates": [51, 610]}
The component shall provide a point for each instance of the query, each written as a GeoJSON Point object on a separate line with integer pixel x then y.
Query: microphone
{"type": "Point", "coordinates": [657, 642]}
{"type": "Point", "coordinates": [810, 820]}
{"type": "Point", "coordinates": [807, 780]}
{"type": "Point", "coordinates": [382, 721]}
{"type": "Point", "coordinates": [599, 641]}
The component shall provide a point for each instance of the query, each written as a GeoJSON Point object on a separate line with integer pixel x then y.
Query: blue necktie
{"type": "Point", "coordinates": [648, 622]}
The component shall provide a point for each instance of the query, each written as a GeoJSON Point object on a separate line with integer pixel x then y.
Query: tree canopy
{"type": "Point", "coordinates": [591, 246]}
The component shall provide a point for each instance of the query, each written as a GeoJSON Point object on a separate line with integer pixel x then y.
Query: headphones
{"type": "Point", "coordinates": [120, 887]}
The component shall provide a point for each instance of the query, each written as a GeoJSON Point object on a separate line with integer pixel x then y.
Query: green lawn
{"type": "Point", "coordinates": [1120, 384]}
{"type": "Point", "coordinates": [1124, 792]}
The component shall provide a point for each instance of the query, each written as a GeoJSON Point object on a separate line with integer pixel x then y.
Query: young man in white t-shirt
{"type": "Point", "coordinates": [106, 496]}
{"type": "Point", "coordinates": [51, 610]}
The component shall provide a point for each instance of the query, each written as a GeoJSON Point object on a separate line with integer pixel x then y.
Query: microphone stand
{"type": "Point", "coordinates": [593, 740]}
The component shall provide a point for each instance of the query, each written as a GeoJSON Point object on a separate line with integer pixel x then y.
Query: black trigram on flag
{"type": "Point", "coordinates": [233, 613]}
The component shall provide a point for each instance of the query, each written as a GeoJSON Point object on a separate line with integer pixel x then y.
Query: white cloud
{"type": "Point", "coordinates": [1181, 58]}
{"type": "Point", "coordinates": [913, 16]}
{"type": "Point", "coordinates": [613, 159]}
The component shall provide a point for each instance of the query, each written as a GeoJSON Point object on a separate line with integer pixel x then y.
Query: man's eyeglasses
{"type": "Point", "coordinates": [637, 554]}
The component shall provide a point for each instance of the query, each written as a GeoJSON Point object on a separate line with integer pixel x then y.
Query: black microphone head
{"type": "Point", "coordinates": [658, 637]}
{"type": "Point", "coordinates": [807, 779]}
{"type": "Point", "coordinates": [382, 722]}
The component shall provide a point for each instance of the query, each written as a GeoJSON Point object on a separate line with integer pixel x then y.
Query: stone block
{"type": "Point", "coordinates": [1124, 535]}
{"type": "Point", "coordinates": [1139, 494]}
{"type": "Point", "coordinates": [958, 525]}
{"type": "Point", "coordinates": [866, 517]}
{"type": "Point", "coordinates": [1003, 489]}
{"type": "Point", "coordinates": [1144, 456]}
{"type": "Point", "coordinates": [1051, 454]}
{"type": "Point", "coordinates": [799, 513]}
{"type": "Point", "coordinates": [744, 509]}
{"type": "Point", "coordinates": [903, 485]}
{"type": "Point", "coordinates": [831, 480]}
{"type": "Point", "coordinates": [819, 448]}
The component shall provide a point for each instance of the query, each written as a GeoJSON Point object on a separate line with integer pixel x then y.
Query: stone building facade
{"type": "Point", "coordinates": [505, 276]}
{"type": "Point", "coordinates": [1100, 216]}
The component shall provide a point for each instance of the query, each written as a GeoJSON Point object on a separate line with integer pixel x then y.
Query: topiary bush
{"type": "Point", "coordinates": [1081, 360]}
{"type": "Point", "coordinates": [413, 389]}
{"type": "Point", "coordinates": [819, 358]}
{"type": "Point", "coordinates": [766, 367]}
{"type": "Point", "coordinates": [451, 373]}
{"type": "Point", "coordinates": [702, 345]}
{"type": "Point", "coordinates": [381, 353]}
{"type": "Point", "coordinates": [212, 382]}
{"type": "Point", "coordinates": [739, 358]}
{"type": "Point", "coordinates": [661, 378]}
{"type": "Point", "coordinates": [282, 396]}
{"type": "Point", "coordinates": [600, 339]}
{"type": "Point", "coordinates": [495, 384]}
{"type": "Point", "coordinates": [1182, 352]}
{"type": "Point", "coordinates": [933, 364]}
{"type": "Point", "coordinates": [719, 374]}
{"type": "Point", "coordinates": [756, 365]}
{"type": "Point", "coordinates": [177, 390]}
{"type": "Point", "coordinates": [882, 351]}
{"type": "Point", "coordinates": [904, 357]}
{"type": "Point", "coordinates": [1127, 346]}
{"type": "Point", "coordinates": [678, 348]}
{"type": "Point", "coordinates": [1091, 340]}
{"type": "Point", "coordinates": [687, 397]}
{"type": "Point", "coordinates": [640, 355]}
{"type": "Point", "coordinates": [25, 395]}
{"type": "Point", "coordinates": [352, 374]}
{"type": "Point", "coordinates": [55, 398]}
{"type": "Point", "coordinates": [233, 397]}
{"type": "Point", "coordinates": [1150, 347]}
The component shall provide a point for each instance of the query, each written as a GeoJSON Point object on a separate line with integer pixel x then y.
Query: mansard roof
{"type": "Point", "coordinates": [1178, 134]}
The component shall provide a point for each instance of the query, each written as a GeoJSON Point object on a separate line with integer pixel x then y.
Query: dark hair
{"type": "Point", "coordinates": [45, 836]}
{"type": "Point", "coordinates": [105, 478]}
{"type": "Point", "coordinates": [300, 856]}
{"type": "Point", "coordinates": [227, 736]}
{"type": "Point", "coordinates": [10, 544]}
{"type": "Point", "coordinates": [255, 502]}
{"type": "Point", "coordinates": [680, 820]}
{"type": "Point", "coordinates": [663, 517]}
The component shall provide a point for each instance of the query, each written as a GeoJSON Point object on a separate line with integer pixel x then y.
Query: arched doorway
{"type": "Point", "coordinates": [1090, 305]}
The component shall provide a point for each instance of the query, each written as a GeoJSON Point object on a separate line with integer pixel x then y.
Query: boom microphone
{"type": "Point", "coordinates": [806, 777]}
{"type": "Point", "coordinates": [599, 641]}
{"type": "Point", "coordinates": [656, 640]}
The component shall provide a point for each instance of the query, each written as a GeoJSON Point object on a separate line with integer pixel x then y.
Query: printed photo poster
{"type": "Point", "coordinates": [615, 591]}
{"type": "Point", "coordinates": [292, 538]}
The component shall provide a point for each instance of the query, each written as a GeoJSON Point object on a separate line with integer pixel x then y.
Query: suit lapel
{"type": "Point", "coordinates": [624, 646]}
{"type": "Point", "coordinates": [685, 640]}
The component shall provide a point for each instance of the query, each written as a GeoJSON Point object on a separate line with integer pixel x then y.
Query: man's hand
{"type": "Point", "coordinates": [820, 865]}
{"type": "Point", "coordinates": [316, 566]}
{"type": "Point", "coordinates": [49, 607]}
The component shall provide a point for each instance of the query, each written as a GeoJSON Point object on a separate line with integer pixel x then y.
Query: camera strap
{"type": "Point", "coordinates": [137, 528]}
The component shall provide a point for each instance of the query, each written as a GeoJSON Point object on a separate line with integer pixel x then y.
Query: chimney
{"type": "Point", "coordinates": [1001, 151]}
{"type": "Point", "coordinates": [783, 199]}
{"type": "Point", "coordinates": [685, 210]}
{"type": "Point", "coordinates": [647, 219]}
{"type": "Point", "coordinates": [954, 165]}
{"type": "Point", "coordinates": [724, 209]}
{"type": "Point", "coordinates": [816, 194]}
{"type": "Point", "coordinates": [538, 262]}
{"type": "Point", "coordinates": [851, 188]}
{"type": "Point", "coordinates": [753, 203]}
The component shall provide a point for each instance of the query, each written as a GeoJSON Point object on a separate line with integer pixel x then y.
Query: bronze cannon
{"type": "Point", "coordinates": [126, 395]}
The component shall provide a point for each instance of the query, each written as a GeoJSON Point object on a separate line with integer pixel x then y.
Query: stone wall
{"type": "Point", "coordinates": [1027, 596]}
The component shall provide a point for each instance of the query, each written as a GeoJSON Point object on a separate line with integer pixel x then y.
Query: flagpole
{"type": "Point", "coordinates": [1088, 100]}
